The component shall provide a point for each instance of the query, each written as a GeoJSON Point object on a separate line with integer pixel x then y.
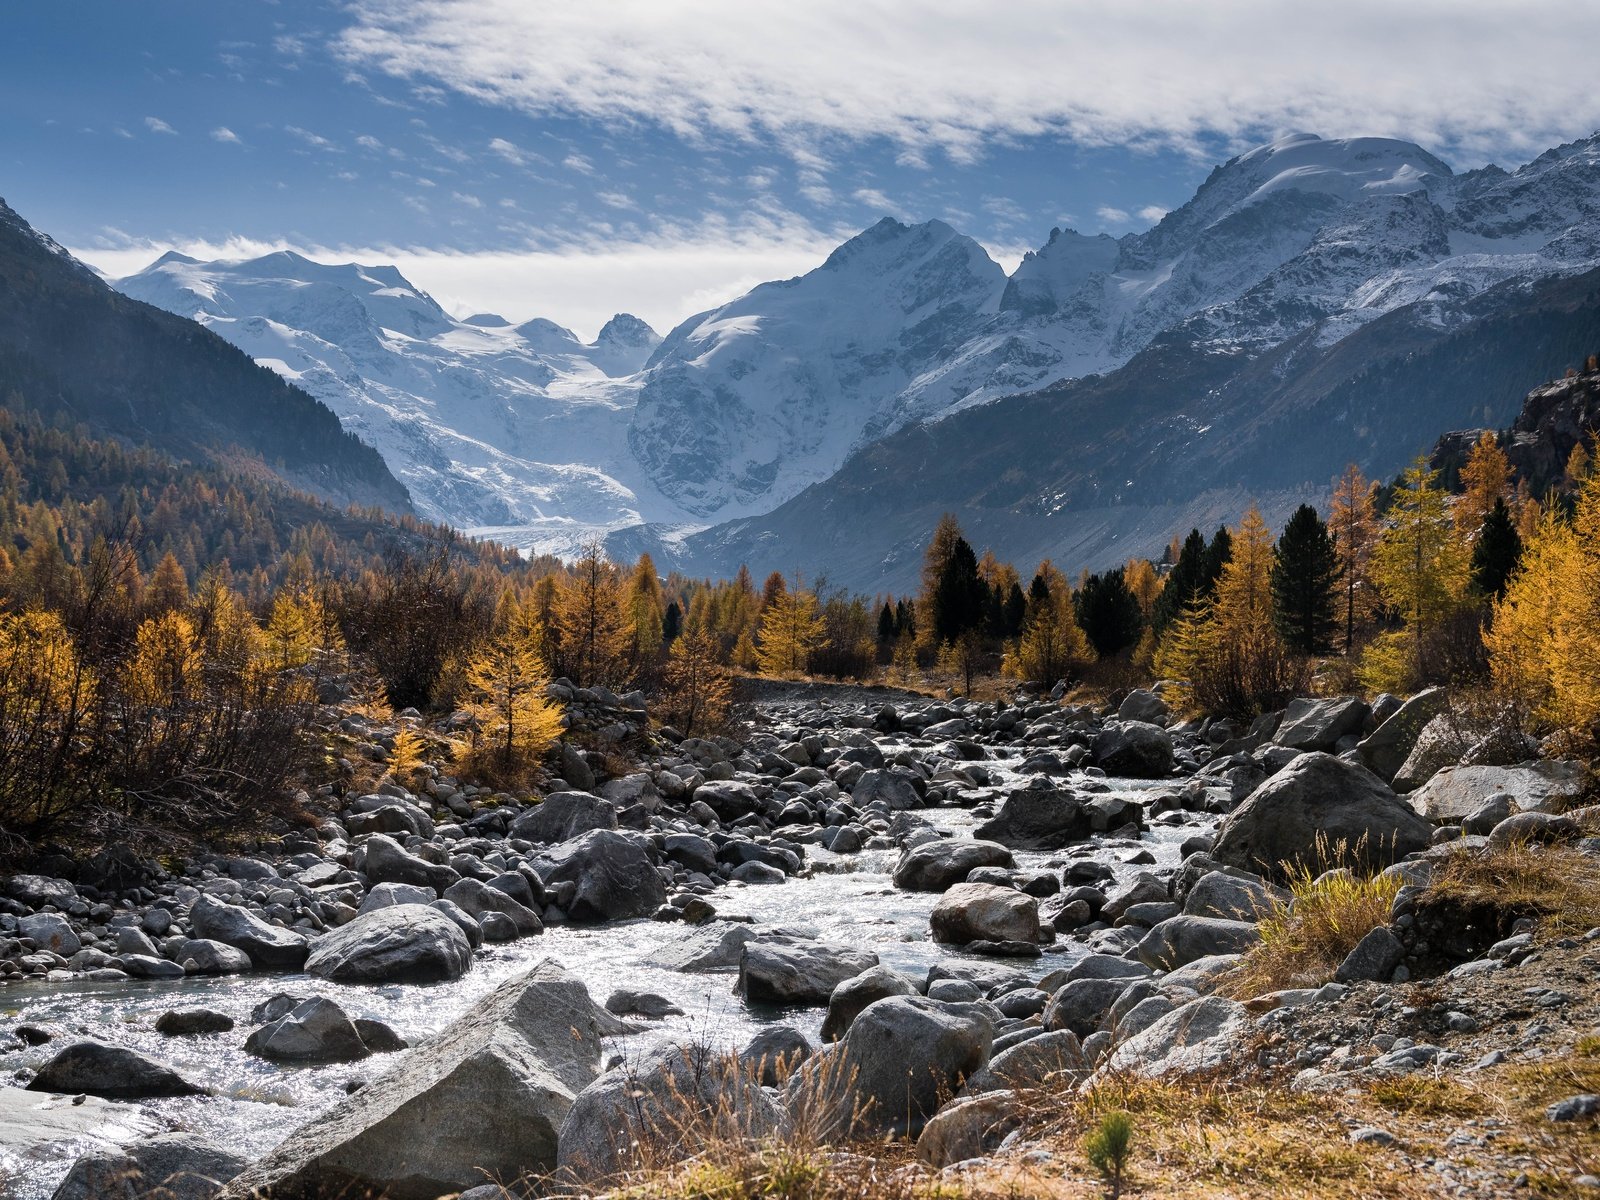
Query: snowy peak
{"type": "Point", "coordinates": [624, 346]}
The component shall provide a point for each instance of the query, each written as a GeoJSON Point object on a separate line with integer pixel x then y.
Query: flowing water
{"type": "Point", "coordinates": [256, 1103]}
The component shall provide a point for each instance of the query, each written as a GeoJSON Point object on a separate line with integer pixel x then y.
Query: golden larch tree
{"type": "Point", "coordinates": [1353, 522]}
{"type": "Point", "coordinates": [515, 721]}
{"type": "Point", "coordinates": [593, 620]}
{"type": "Point", "coordinates": [791, 628]}
{"type": "Point", "coordinates": [1485, 478]}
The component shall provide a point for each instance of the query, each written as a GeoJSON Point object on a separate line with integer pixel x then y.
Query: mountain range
{"type": "Point", "coordinates": [1315, 302]}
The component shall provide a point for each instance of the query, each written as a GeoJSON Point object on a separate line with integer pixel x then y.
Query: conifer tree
{"type": "Point", "coordinates": [1108, 613]}
{"type": "Point", "coordinates": [959, 597]}
{"type": "Point", "coordinates": [515, 722]}
{"type": "Point", "coordinates": [1353, 524]}
{"type": "Point", "coordinates": [1052, 645]}
{"type": "Point", "coordinates": [593, 620]}
{"type": "Point", "coordinates": [1305, 579]}
{"type": "Point", "coordinates": [1485, 479]}
{"type": "Point", "coordinates": [696, 686]}
{"type": "Point", "coordinates": [791, 630]}
{"type": "Point", "coordinates": [671, 623]}
{"type": "Point", "coordinates": [1420, 567]}
{"type": "Point", "coordinates": [1185, 583]}
{"type": "Point", "coordinates": [886, 623]}
{"type": "Point", "coordinates": [644, 611]}
{"type": "Point", "coordinates": [1496, 551]}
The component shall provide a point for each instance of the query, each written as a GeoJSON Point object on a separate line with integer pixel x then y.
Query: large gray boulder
{"type": "Point", "coordinates": [729, 799]}
{"type": "Point", "coordinates": [1455, 793]}
{"type": "Point", "coordinates": [1178, 941]}
{"type": "Point", "coordinates": [212, 957]}
{"type": "Point", "coordinates": [1141, 704]}
{"type": "Point", "coordinates": [485, 1099]}
{"type": "Point", "coordinates": [1199, 1036]}
{"type": "Point", "coordinates": [1134, 749]}
{"type": "Point", "coordinates": [797, 971]}
{"type": "Point", "coordinates": [1441, 744]}
{"type": "Point", "coordinates": [1388, 746]}
{"type": "Point", "coordinates": [1037, 819]}
{"type": "Point", "coordinates": [612, 873]}
{"type": "Point", "coordinates": [1319, 724]}
{"type": "Point", "coordinates": [969, 1127]}
{"type": "Point", "coordinates": [982, 912]}
{"type": "Point", "coordinates": [111, 1072]}
{"type": "Point", "coordinates": [934, 866]}
{"type": "Point", "coordinates": [562, 816]}
{"type": "Point", "coordinates": [1320, 811]}
{"type": "Point", "coordinates": [52, 932]}
{"type": "Point", "coordinates": [1081, 1005]}
{"type": "Point", "coordinates": [901, 1059]}
{"type": "Point", "coordinates": [1221, 894]}
{"type": "Point", "coordinates": [479, 899]}
{"type": "Point", "coordinates": [405, 943]}
{"type": "Point", "coordinates": [853, 995]}
{"type": "Point", "coordinates": [1057, 1055]}
{"type": "Point", "coordinates": [893, 787]}
{"type": "Point", "coordinates": [315, 1030]}
{"type": "Point", "coordinates": [387, 861]}
{"type": "Point", "coordinates": [660, 1108]}
{"type": "Point", "coordinates": [170, 1166]}
{"type": "Point", "coordinates": [267, 945]}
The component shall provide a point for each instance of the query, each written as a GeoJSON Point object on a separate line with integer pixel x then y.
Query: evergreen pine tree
{"type": "Point", "coordinates": [1184, 582]}
{"type": "Point", "coordinates": [886, 623]}
{"type": "Point", "coordinates": [1496, 552]}
{"type": "Point", "coordinates": [1108, 613]}
{"type": "Point", "coordinates": [959, 597]}
{"type": "Point", "coordinates": [1305, 576]}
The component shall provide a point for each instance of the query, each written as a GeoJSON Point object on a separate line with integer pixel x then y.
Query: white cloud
{"type": "Point", "coordinates": [466, 198]}
{"type": "Point", "coordinates": [673, 274]}
{"type": "Point", "coordinates": [1473, 75]}
{"type": "Point", "coordinates": [578, 163]}
{"type": "Point", "coordinates": [876, 200]}
{"type": "Point", "coordinates": [225, 135]}
{"type": "Point", "coordinates": [1112, 216]}
{"type": "Point", "coordinates": [615, 199]}
{"type": "Point", "coordinates": [315, 140]}
{"type": "Point", "coordinates": [1152, 212]}
{"type": "Point", "coordinates": [367, 142]}
{"type": "Point", "coordinates": [157, 125]}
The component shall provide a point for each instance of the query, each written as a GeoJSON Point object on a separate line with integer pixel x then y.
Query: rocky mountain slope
{"type": "Point", "coordinates": [488, 424]}
{"type": "Point", "coordinates": [1298, 274]}
{"type": "Point", "coordinates": [73, 349]}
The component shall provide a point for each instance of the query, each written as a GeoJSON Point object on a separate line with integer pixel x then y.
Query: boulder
{"type": "Point", "coordinates": [1320, 811]}
{"type": "Point", "coordinates": [893, 787]}
{"type": "Point", "coordinates": [1220, 894]}
{"type": "Point", "coordinates": [1387, 747]}
{"type": "Point", "coordinates": [267, 945]}
{"type": "Point", "coordinates": [665, 1106]}
{"type": "Point", "coordinates": [170, 1166]}
{"type": "Point", "coordinates": [1531, 827]}
{"type": "Point", "coordinates": [213, 958]}
{"type": "Point", "coordinates": [1141, 704]}
{"type": "Point", "coordinates": [728, 799]}
{"type": "Point", "coordinates": [854, 994]}
{"type": "Point", "coordinates": [1199, 1036]}
{"type": "Point", "coordinates": [1081, 1005]}
{"type": "Point", "coordinates": [387, 861]}
{"type": "Point", "coordinates": [111, 1072]}
{"type": "Point", "coordinates": [386, 895]}
{"type": "Point", "coordinates": [1037, 819]}
{"type": "Point", "coordinates": [797, 972]}
{"type": "Point", "coordinates": [485, 1099]}
{"type": "Point", "coordinates": [981, 912]}
{"type": "Point", "coordinates": [612, 873]}
{"type": "Point", "coordinates": [52, 931]}
{"type": "Point", "coordinates": [479, 899]}
{"type": "Point", "coordinates": [1455, 793]}
{"type": "Point", "coordinates": [562, 816]}
{"type": "Point", "coordinates": [36, 891]}
{"type": "Point", "coordinates": [1134, 749]}
{"type": "Point", "coordinates": [316, 1030]}
{"type": "Point", "coordinates": [1440, 744]}
{"type": "Point", "coordinates": [406, 943]}
{"type": "Point", "coordinates": [1182, 940]}
{"type": "Point", "coordinates": [775, 1053]}
{"type": "Point", "coordinates": [935, 866]}
{"type": "Point", "coordinates": [1319, 724]}
{"type": "Point", "coordinates": [969, 1127]}
{"type": "Point", "coordinates": [1053, 1056]}
{"type": "Point", "coordinates": [182, 1022]}
{"type": "Point", "coordinates": [1374, 957]}
{"type": "Point", "coordinates": [901, 1058]}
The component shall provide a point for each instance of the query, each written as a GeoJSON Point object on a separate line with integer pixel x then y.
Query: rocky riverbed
{"type": "Point", "coordinates": [1011, 895]}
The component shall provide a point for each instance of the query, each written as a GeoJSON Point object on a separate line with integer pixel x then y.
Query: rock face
{"type": "Point", "coordinates": [267, 945]}
{"type": "Point", "coordinates": [901, 1058]}
{"type": "Point", "coordinates": [405, 943]}
{"type": "Point", "coordinates": [1387, 747]}
{"type": "Point", "coordinates": [1135, 749]}
{"type": "Point", "coordinates": [486, 1099]}
{"type": "Point", "coordinates": [982, 912]}
{"type": "Point", "coordinates": [1320, 806]}
{"type": "Point", "coordinates": [171, 1166]}
{"type": "Point", "coordinates": [112, 1072]}
{"type": "Point", "coordinates": [797, 972]}
{"type": "Point", "coordinates": [1319, 724]}
{"type": "Point", "coordinates": [1037, 819]}
{"type": "Point", "coordinates": [1455, 793]}
{"type": "Point", "coordinates": [934, 866]}
{"type": "Point", "coordinates": [613, 877]}
{"type": "Point", "coordinates": [562, 816]}
{"type": "Point", "coordinates": [675, 1096]}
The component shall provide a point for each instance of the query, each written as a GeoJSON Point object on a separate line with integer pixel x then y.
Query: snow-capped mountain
{"type": "Point", "coordinates": [1303, 242]}
{"type": "Point", "coordinates": [489, 425]}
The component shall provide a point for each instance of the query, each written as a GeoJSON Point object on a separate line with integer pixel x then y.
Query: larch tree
{"type": "Point", "coordinates": [1353, 524]}
{"type": "Point", "coordinates": [791, 629]}
{"type": "Point", "coordinates": [515, 722]}
{"type": "Point", "coordinates": [644, 611]}
{"type": "Point", "coordinates": [1305, 581]}
{"type": "Point", "coordinates": [1485, 479]}
{"type": "Point", "coordinates": [593, 620]}
{"type": "Point", "coordinates": [168, 589]}
{"type": "Point", "coordinates": [697, 689]}
{"type": "Point", "coordinates": [1052, 646]}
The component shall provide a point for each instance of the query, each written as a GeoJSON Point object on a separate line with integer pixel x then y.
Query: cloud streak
{"type": "Point", "coordinates": [1469, 75]}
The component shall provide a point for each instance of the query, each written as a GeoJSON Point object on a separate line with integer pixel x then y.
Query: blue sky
{"type": "Point", "coordinates": [569, 161]}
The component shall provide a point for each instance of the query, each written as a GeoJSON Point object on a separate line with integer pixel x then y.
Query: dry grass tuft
{"type": "Point", "coordinates": [1304, 939]}
{"type": "Point", "coordinates": [1558, 885]}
